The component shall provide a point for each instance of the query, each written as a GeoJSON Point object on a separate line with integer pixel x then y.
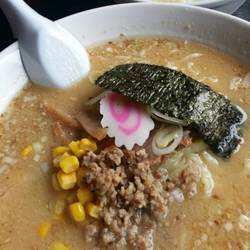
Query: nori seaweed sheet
{"type": "Point", "coordinates": [173, 93]}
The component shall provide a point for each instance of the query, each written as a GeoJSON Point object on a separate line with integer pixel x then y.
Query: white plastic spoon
{"type": "Point", "coordinates": [52, 57]}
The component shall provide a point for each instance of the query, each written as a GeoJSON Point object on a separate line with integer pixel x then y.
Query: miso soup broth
{"type": "Point", "coordinates": [210, 210]}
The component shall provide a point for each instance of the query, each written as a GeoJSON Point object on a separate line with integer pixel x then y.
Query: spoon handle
{"type": "Point", "coordinates": [21, 17]}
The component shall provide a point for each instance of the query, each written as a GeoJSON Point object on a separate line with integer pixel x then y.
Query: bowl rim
{"type": "Point", "coordinates": [164, 5]}
{"type": "Point", "coordinates": [204, 3]}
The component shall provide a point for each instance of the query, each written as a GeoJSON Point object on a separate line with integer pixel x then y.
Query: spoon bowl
{"type": "Point", "coordinates": [52, 57]}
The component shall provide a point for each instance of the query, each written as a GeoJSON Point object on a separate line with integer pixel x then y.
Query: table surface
{"type": "Point", "coordinates": [56, 9]}
{"type": "Point", "coordinates": [244, 11]}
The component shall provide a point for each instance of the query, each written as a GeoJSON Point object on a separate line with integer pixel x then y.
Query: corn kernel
{"type": "Point", "coordinates": [26, 151]}
{"type": "Point", "coordinates": [69, 164]}
{"type": "Point", "coordinates": [60, 150]}
{"type": "Point", "coordinates": [88, 145]}
{"type": "Point", "coordinates": [84, 195]}
{"type": "Point", "coordinates": [92, 210]}
{"type": "Point", "coordinates": [55, 183]}
{"type": "Point", "coordinates": [66, 181]}
{"type": "Point", "coordinates": [57, 245]}
{"type": "Point", "coordinates": [74, 147]}
{"type": "Point", "coordinates": [58, 158]}
{"type": "Point", "coordinates": [81, 173]}
{"type": "Point", "coordinates": [77, 211]}
{"type": "Point", "coordinates": [43, 229]}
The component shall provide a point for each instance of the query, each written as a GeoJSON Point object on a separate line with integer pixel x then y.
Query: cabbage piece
{"type": "Point", "coordinates": [176, 164]}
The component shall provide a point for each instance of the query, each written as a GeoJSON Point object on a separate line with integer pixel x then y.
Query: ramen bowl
{"type": "Point", "coordinates": [152, 34]}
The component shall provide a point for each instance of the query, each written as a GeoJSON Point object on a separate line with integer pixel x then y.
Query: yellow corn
{"type": "Point", "coordinates": [58, 158]}
{"type": "Point", "coordinates": [57, 245]}
{"type": "Point", "coordinates": [92, 210]}
{"type": "Point", "coordinates": [55, 183]}
{"type": "Point", "coordinates": [60, 150]}
{"type": "Point", "coordinates": [74, 147]}
{"type": "Point", "coordinates": [69, 164]}
{"type": "Point", "coordinates": [77, 211]}
{"type": "Point", "coordinates": [66, 181]}
{"type": "Point", "coordinates": [84, 195]}
{"type": "Point", "coordinates": [43, 229]}
{"type": "Point", "coordinates": [88, 145]}
{"type": "Point", "coordinates": [26, 151]}
{"type": "Point", "coordinates": [81, 173]}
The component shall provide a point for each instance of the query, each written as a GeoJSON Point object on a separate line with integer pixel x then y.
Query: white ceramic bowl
{"type": "Point", "coordinates": [92, 27]}
{"type": "Point", "coordinates": [227, 6]}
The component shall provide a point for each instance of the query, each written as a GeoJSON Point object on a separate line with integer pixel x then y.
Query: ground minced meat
{"type": "Point", "coordinates": [132, 193]}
